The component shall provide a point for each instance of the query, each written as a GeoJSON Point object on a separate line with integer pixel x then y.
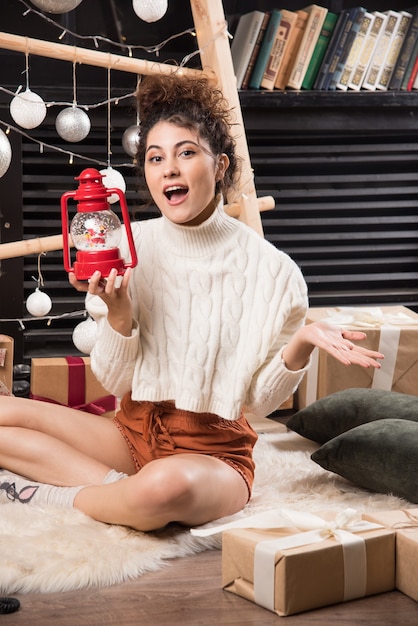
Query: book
{"type": "Point", "coordinates": [244, 42]}
{"type": "Point", "coordinates": [355, 51]}
{"type": "Point", "coordinates": [367, 52]}
{"type": "Point", "coordinates": [316, 18]}
{"type": "Point", "coordinates": [326, 61]}
{"type": "Point", "coordinates": [265, 49]}
{"type": "Point", "coordinates": [320, 50]}
{"type": "Point", "coordinates": [413, 79]}
{"type": "Point", "coordinates": [343, 48]}
{"type": "Point", "coordinates": [405, 52]}
{"type": "Point", "coordinates": [378, 60]}
{"type": "Point", "coordinates": [410, 66]}
{"type": "Point", "coordinates": [394, 50]}
{"type": "Point", "coordinates": [254, 54]}
{"type": "Point", "coordinates": [357, 20]}
{"type": "Point", "coordinates": [278, 50]}
{"type": "Point", "coordinates": [295, 38]}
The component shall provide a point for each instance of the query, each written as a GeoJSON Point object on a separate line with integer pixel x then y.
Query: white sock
{"type": "Point", "coordinates": [15, 488]}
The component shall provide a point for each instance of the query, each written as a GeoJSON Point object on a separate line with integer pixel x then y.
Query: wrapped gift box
{"type": "Point", "coordinates": [6, 364]}
{"type": "Point", "coordinates": [392, 330]}
{"type": "Point", "coordinates": [405, 522]}
{"type": "Point", "coordinates": [70, 381]}
{"type": "Point", "coordinates": [305, 577]}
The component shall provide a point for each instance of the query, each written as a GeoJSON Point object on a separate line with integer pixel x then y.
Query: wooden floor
{"type": "Point", "coordinates": [188, 593]}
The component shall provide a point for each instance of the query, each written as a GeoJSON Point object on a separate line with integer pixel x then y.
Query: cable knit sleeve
{"type": "Point", "coordinates": [273, 382]}
{"type": "Point", "coordinates": [114, 356]}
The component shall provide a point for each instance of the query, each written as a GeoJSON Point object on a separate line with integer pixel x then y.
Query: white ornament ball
{"type": "Point", "coordinates": [112, 179]}
{"type": "Point", "coordinates": [150, 10]}
{"type": "Point", "coordinates": [84, 335]}
{"type": "Point", "coordinates": [38, 303]}
{"type": "Point", "coordinates": [56, 6]}
{"type": "Point", "coordinates": [5, 153]}
{"type": "Point", "coordinates": [130, 140]}
{"type": "Point", "coordinates": [28, 109]}
{"type": "Point", "coordinates": [96, 306]}
{"type": "Point", "coordinates": [72, 124]}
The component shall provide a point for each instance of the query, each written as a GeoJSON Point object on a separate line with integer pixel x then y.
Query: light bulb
{"type": "Point", "coordinates": [150, 10]}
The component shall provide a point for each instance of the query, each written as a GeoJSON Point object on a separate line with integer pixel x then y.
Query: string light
{"type": "Point", "coordinates": [99, 38]}
{"type": "Point", "coordinates": [62, 150]}
{"type": "Point", "coordinates": [49, 318]}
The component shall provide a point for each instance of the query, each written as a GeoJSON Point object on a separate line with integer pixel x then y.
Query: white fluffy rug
{"type": "Point", "coordinates": [48, 549]}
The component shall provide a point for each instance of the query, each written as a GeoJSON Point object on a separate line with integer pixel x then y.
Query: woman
{"type": "Point", "coordinates": [209, 324]}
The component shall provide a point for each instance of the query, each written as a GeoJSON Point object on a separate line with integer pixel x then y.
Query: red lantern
{"type": "Point", "coordinates": [95, 230]}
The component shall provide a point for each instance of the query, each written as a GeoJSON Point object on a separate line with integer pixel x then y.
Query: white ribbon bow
{"type": "Point", "coordinates": [315, 529]}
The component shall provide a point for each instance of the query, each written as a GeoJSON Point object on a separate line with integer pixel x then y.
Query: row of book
{"type": "Point", "coordinates": [314, 48]}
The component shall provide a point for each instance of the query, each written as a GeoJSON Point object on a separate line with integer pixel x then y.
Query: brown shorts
{"type": "Point", "coordinates": [154, 430]}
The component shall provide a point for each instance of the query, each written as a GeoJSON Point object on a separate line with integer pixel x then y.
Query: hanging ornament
{"type": "Point", "coordinates": [84, 335]}
{"type": "Point", "coordinates": [5, 153]}
{"type": "Point", "coordinates": [38, 303]}
{"type": "Point", "coordinates": [28, 109]}
{"type": "Point", "coordinates": [130, 139]}
{"type": "Point", "coordinates": [72, 124]}
{"type": "Point", "coordinates": [150, 10]}
{"type": "Point", "coordinates": [113, 179]}
{"type": "Point", "coordinates": [56, 6]}
{"type": "Point", "coordinates": [96, 306]}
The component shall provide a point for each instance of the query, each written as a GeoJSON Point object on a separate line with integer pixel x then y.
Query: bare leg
{"type": "Point", "coordinates": [187, 488]}
{"type": "Point", "coordinates": [57, 445]}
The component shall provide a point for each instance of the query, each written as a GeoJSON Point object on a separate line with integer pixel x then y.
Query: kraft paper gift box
{"type": "Point", "coordinates": [6, 364]}
{"type": "Point", "coordinates": [405, 523]}
{"type": "Point", "coordinates": [392, 330]}
{"type": "Point", "coordinates": [69, 381]}
{"type": "Point", "coordinates": [290, 561]}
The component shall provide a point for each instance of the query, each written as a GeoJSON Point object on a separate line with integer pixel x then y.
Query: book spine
{"type": "Point", "coordinates": [351, 36]}
{"type": "Point", "coordinates": [265, 49]}
{"type": "Point", "coordinates": [310, 37]}
{"type": "Point", "coordinates": [394, 51]}
{"type": "Point", "coordinates": [278, 50]}
{"type": "Point", "coordinates": [320, 50]}
{"type": "Point", "coordinates": [250, 67]}
{"type": "Point", "coordinates": [294, 42]}
{"type": "Point", "coordinates": [412, 81]}
{"type": "Point", "coordinates": [366, 55]}
{"type": "Point", "coordinates": [339, 49]}
{"type": "Point", "coordinates": [244, 41]}
{"type": "Point", "coordinates": [326, 61]}
{"type": "Point", "coordinates": [355, 52]}
{"type": "Point", "coordinates": [379, 56]}
{"type": "Point", "coordinates": [405, 53]}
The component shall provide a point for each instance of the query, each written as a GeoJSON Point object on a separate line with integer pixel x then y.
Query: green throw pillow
{"type": "Point", "coordinates": [335, 414]}
{"type": "Point", "coordinates": [381, 456]}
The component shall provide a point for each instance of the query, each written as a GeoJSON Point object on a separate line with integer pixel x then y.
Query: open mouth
{"type": "Point", "coordinates": [176, 193]}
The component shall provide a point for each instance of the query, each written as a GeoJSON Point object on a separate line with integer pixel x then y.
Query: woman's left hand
{"type": "Point", "coordinates": [338, 342]}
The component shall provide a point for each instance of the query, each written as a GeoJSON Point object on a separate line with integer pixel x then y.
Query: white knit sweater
{"type": "Point", "coordinates": [214, 306]}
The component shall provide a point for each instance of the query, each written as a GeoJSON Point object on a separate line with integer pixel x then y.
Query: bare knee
{"type": "Point", "coordinates": [9, 411]}
{"type": "Point", "coordinates": [165, 489]}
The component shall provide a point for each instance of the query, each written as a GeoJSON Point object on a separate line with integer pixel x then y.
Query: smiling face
{"type": "Point", "coordinates": [181, 173]}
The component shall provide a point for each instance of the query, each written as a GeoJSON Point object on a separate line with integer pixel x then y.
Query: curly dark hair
{"type": "Point", "coordinates": [193, 103]}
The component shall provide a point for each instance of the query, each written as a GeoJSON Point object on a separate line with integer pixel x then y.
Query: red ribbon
{"type": "Point", "coordinates": [77, 391]}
